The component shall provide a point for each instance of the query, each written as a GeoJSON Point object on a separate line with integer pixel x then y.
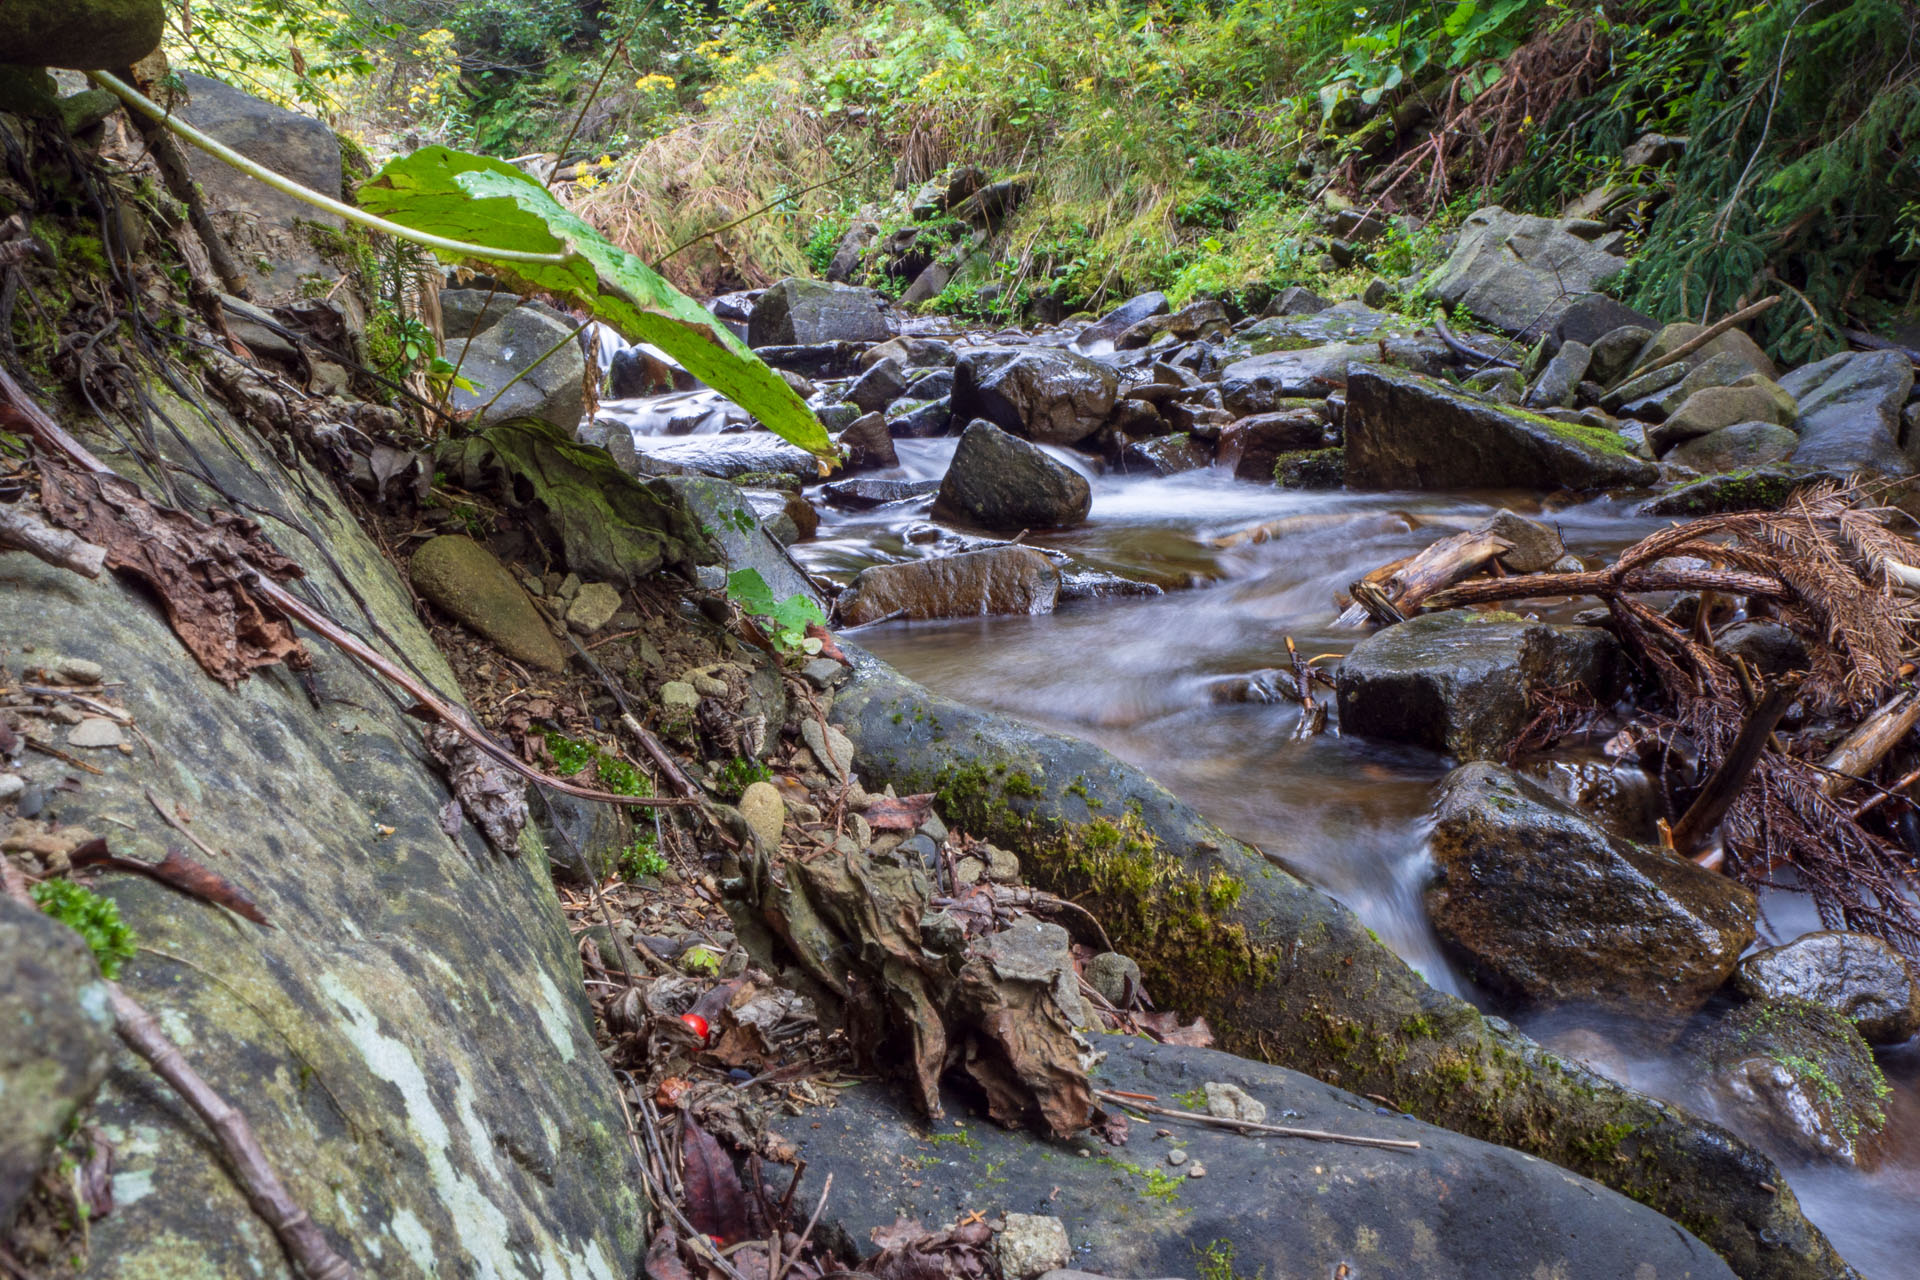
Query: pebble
{"type": "Point", "coordinates": [832, 747]}
{"type": "Point", "coordinates": [33, 800]}
{"type": "Point", "coordinates": [678, 695]}
{"type": "Point", "coordinates": [823, 673]}
{"type": "Point", "coordinates": [765, 812]}
{"type": "Point", "coordinates": [1198, 1171]}
{"type": "Point", "coordinates": [1177, 1156]}
{"type": "Point", "coordinates": [593, 607]}
{"type": "Point", "coordinates": [1231, 1102]}
{"type": "Point", "coordinates": [96, 731]}
{"type": "Point", "coordinates": [11, 785]}
{"type": "Point", "coordinates": [78, 670]}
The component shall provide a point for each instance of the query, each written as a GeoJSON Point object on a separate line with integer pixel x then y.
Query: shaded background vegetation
{"type": "Point", "coordinates": [1186, 145]}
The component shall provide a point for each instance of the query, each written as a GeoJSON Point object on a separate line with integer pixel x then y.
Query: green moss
{"type": "Point", "coordinates": [1164, 1187]}
{"type": "Point", "coordinates": [1311, 469]}
{"type": "Point", "coordinates": [93, 917]}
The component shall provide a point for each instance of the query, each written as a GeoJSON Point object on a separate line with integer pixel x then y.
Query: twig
{"type": "Point", "coordinates": [1702, 338]}
{"type": "Point", "coordinates": [22, 530]}
{"type": "Point", "coordinates": [1460, 348]}
{"type": "Point", "coordinates": [1222, 1122]}
{"type": "Point", "coordinates": [48, 748]}
{"type": "Point", "coordinates": [808, 1233]}
{"type": "Point", "coordinates": [312, 1256]}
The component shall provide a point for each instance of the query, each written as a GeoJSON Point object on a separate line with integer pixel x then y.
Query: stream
{"type": "Point", "coordinates": [1173, 685]}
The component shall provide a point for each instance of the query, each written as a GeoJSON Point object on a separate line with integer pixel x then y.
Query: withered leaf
{"type": "Point", "coordinates": [903, 814]}
{"type": "Point", "coordinates": [752, 1263]}
{"type": "Point", "coordinates": [716, 1202]}
{"type": "Point", "coordinates": [1019, 1048]}
{"type": "Point", "coordinates": [1112, 1127]}
{"type": "Point", "coordinates": [901, 1233]}
{"type": "Point", "coordinates": [672, 1091]}
{"type": "Point", "coordinates": [176, 871]}
{"type": "Point", "coordinates": [1165, 1024]}
{"type": "Point", "coordinates": [663, 1257]}
{"type": "Point", "coordinates": [828, 649]}
{"type": "Point", "coordinates": [200, 571]}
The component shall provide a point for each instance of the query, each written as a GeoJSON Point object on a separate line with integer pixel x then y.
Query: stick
{"type": "Point", "coordinates": [1702, 338]}
{"type": "Point", "coordinates": [1726, 781]}
{"type": "Point", "coordinates": [1249, 1126]}
{"type": "Point", "coordinates": [1606, 585]}
{"type": "Point", "coordinates": [1439, 566]}
{"type": "Point", "coordinates": [1460, 348]}
{"type": "Point", "coordinates": [21, 530]}
{"type": "Point", "coordinates": [1871, 739]}
{"type": "Point", "coordinates": [312, 1256]}
{"type": "Point", "coordinates": [807, 1234]}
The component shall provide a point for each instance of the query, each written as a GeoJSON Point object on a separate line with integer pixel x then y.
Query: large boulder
{"type": "Point", "coordinates": [1268, 1206]}
{"type": "Point", "coordinates": [1406, 432]}
{"type": "Point", "coordinates": [739, 453]}
{"type": "Point", "coordinates": [799, 312]}
{"type": "Point", "coordinates": [1857, 976]}
{"type": "Point", "coordinates": [525, 366]}
{"type": "Point", "coordinates": [87, 35]}
{"type": "Point", "coordinates": [1792, 1076]}
{"type": "Point", "coordinates": [1045, 394]}
{"type": "Point", "coordinates": [1850, 412]}
{"type": "Point", "coordinates": [1251, 446]}
{"type": "Point", "coordinates": [1282, 971]}
{"type": "Point", "coordinates": [971, 584]}
{"type": "Point", "coordinates": [1744, 444]}
{"type": "Point", "coordinates": [1754, 399]}
{"type": "Point", "coordinates": [1549, 908]}
{"type": "Point", "coordinates": [55, 1049]}
{"type": "Point", "coordinates": [410, 1039]}
{"type": "Point", "coordinates": [1520, 273]}
{"type": "Point", "coordinates": [1460, 681]}
{"type": "Point", "coordinates": [271, 234]}
{"type": "Point", "coordinates": [1001, 482]}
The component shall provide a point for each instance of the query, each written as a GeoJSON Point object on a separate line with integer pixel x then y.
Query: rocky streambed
{"type": "Point", "coordinates": [1110, 530]}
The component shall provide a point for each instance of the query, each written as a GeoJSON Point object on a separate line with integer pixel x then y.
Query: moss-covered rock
{"type": "Point", "coordinates": [1286, 974]}
{"type": "Point", "coordinates": [467, 582]}
{"type": "Point", "coordinates": [83, 34]}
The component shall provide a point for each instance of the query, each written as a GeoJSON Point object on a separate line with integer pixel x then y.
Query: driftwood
{"type": "Point", "coordinates": [1464, 350]}
{"type": "Point", "coordinates": [312, 1256]}
{"type": "Point", "coordinates": [1870, 741]}
{"type": "Point", "coordinates": [1437, 567]}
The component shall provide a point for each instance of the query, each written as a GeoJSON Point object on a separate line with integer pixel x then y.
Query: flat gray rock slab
{"type": "Point", "coordinates": [1282, 1207]}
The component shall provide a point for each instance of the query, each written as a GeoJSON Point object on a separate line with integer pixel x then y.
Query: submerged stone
{"type": "Point", "coordinates": [973, 583]}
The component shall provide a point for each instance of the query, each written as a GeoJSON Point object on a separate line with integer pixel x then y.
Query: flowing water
{"type": "Point", "coordinates": [1174, 684]}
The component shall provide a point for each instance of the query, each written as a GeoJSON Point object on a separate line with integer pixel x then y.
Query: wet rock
{"type": "Point", "coordinates": [1405, 432]}
{"type": "Point", "coordinates": [989, 581]}
{"type": "Point", "coordinates": [1205, 318]}
{"type": "Point", "coordinates": [864, 493]}
{"type": "Point", "coordinates": [1123, 317]}
{"type": "Point", "coordinates": [1744, 444]}
{"type": "Point", "coordinates": [935, 384]}
{"type": "Point", "coordinates": [879, 386]}
{"type": "Point", "coordinates": [86, 35]}
{"type": "Point", "coordinates": [1754, 399]}
{"type": "Point", "coordinates": [1166, 455]}
{"type": "Point", "coordinates": [1556, 383]}
{"type": "Point", "coordinates": [1767, 647]}
{"type": "Point", "coordinates": [919, 419]}
{"type": "Point", "coordinates": [1794, 1077]}
{"type": "Point", "coordinates": [1097, 584]}
{"type": "Point", "coordinates": [1764, 488]}
{"type": "Point", "coordinates": [1856, 976]}
{"type": "Point", "coordinates": [1536, 548]}
{"type": "Point", "coordinates": [1733, 342]}
{"type": "Point", "coordinates": [634, 372]}
{"type": "Point", "coordinates": [916, 352]}
{"type": "Point", "coordinates": [1520, 273]}
{"type": "Point", "coordinates": [57, 1043]}
{"type": "Point", "coordinates": [1260, 383]}
{"type": "Point", "coordinates": [1048, 396]}
{"type": "Point", "coordinates": [1459, 681]}
{"type": "Point", "coordinates": [1348, 1009]}
{"type": "Point", "coordinates": [1116, 977]}
{"type": "Point", "coordinates": [1350, 322]}
{"type": "Point", "coordinates": [1000, 482]}
{"type": "Point", "coordinates": [466, 582]}
{"type": "Point", "coordinates": [721, 457]}
{"type": "Point", "coordinates": [869, 445]}
{"type": "Point", "coordinates": [1251, 446]}
{"type": "Point", "coordinates": [815, 359]}
{"type": "Point", "coordinates": [1850, 411]}
{"type": "Point", "coordinates": [554, 390]}
{"type": "Point", "coordinates": [1504, 1215]}
{"type": "Point", "coordinates": [1548, 908]}
{"type": "Point", "coordinates": [1642, 396]}
{"type": "Point", "coordinates": [268, 232]}
{"type": "Point", "coordinates": [846, 255]}
{"type": "Point", "coordinates": [1030, 1244]}
{"type": "Point", "coordinates": [1296, 301]}
{"type": "Point", "coordinates": [1311, 469]}
{"type": "Point", "coordinates": [797, 312]}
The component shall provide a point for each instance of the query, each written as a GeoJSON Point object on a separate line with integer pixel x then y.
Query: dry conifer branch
{"type": "Point", "coordinates": [312, 1256]}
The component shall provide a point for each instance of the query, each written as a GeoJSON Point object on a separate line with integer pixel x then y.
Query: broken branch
{"type": "Point", "coordinates": [1248, 1126]}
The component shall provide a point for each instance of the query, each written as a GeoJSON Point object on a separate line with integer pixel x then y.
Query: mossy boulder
{"type": "Point", "coordinates": [1406, 432]}
{"type": "Point", "coordinates": [1858, 976]}
{"type": "Point", "coordinates": [1286, 974]}
{"type": "Point", "coordinates": [468, 583]}
{"type": "Point", "coordinates": [86, 35]}
{"type": "Point", "coordinates": [1794, 1077]}
{"type": "Point", "coordinates": [1549, 908]}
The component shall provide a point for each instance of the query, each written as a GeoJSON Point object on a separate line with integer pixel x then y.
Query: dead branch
{"type": "Point", "coordinates": [1702, 338]}
{"type": "Point", "coordinates": [299, 1235]}
{"type": "Point", "coordinates": [1726, 782]}
{"type": "Point", "coordinates": [1466, 351]}
{"type": "Point", "coordinates": [1438, 566]}
{"type": "Point", "coordinates": [1870, 741]}
{"type": "Point", "coordinates": [1605, 584]}
{"type": "Point", "coordinates": [21, 530]}
{"type": "Point", "coordinates": [1248, 1126]}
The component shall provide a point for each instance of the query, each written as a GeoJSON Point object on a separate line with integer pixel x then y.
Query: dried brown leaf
{"type": "Point", "coordinates": [904, 814]}
{"type": "Point", "coordinates": [176, 871]}
{"type": "Point", "coordinates": [663, 1257]}
{"type": "Point", "coordinates": [716, 1202]}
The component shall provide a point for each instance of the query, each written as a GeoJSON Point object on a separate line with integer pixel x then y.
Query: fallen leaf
{"type": "Point", "coordinates": [900, 1234]}
{"type": "Point", "coordinates": [1166, 1025]}
{"type": "Point", "coordinates": [1112, 1127]}
{"type": "Point", "coordinates": [716, 1202]}
{"type": "Point", "coordinates": [904, 814]}
{"type": "Point", "coordinates": [672, 1092]}
{"type": "Point", "coordinates": [828, 649]}
{"type": "Point", "coordinates": [663, 1258]}
{"type": "Point", "coordinates": [176, 871]}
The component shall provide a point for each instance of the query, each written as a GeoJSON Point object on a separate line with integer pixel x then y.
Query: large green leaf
{"type": "Point", "coordinates": [486, 201]}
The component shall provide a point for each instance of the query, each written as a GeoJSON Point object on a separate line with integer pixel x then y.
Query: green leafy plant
{"type": "Point", "coordinates": [738, 774]}
{"type": "Point", "coordinates": [642, 858]}
{"type": "Point", "coordinates": [785, 621]}
{"type": "Point", "coordinates": [93, 917]}
{"type": "Point", "coordinates": [489, 203]}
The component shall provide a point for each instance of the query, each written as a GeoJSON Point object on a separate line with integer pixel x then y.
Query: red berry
{"type": "Point", "coordinates": [698, 1023]}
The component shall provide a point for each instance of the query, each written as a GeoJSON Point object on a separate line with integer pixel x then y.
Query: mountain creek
{"type": "Point", "coordinates": [1412, 786]}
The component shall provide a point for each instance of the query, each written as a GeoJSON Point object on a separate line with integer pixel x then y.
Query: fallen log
{"type": "Point", "coordinates": [1442, 564]}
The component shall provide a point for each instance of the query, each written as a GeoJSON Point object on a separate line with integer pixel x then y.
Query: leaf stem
{"type": "Point", "coordinates": [137, 101]}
